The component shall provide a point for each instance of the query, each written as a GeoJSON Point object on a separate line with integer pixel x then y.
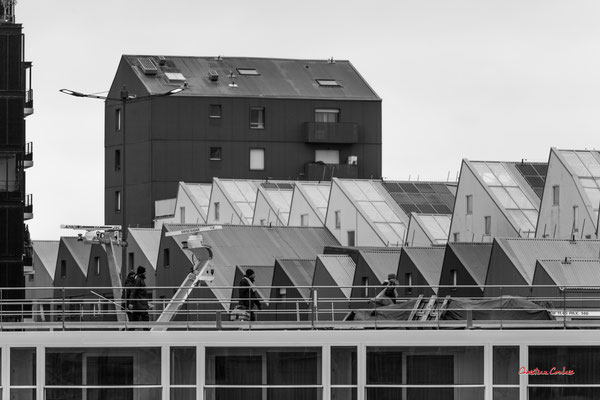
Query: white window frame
{"type": "Point", "coordinates": [217, 208]}
{"type": "Point", "coordinates": [555, 195]}
{"type": "Point", "coordinates": [256, 164]}
{"type": "Point", "coordinates": [338, 219]}
{"type": "Point", "coordinates": [304, 220]}
{"type": "Point", "coordinates": [469, 199]}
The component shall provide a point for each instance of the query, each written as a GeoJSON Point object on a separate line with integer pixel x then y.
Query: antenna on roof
{"type": "Point", "coordinates": [523, 161]}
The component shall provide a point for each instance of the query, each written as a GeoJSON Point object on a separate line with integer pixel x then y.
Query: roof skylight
{"type": "Point", "coordinates": [587, 169]}
{"type": "Point", "coordinates": [247, 71]}
{"type": "Point", "coordinates": [328, 82]}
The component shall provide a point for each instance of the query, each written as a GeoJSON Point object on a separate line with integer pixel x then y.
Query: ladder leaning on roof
{"type": "Point", "coordinates": [200, 272]}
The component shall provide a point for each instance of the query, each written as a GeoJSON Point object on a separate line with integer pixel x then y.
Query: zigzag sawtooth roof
{"type": "Point", "coordinates": [525, 252]}
{"type": "Point", "coordinates": [475, 257]}
{"type": "Point", "coordinates": [382, 262]}
{"type": "Point", "coordinates": [342, 270]}
{"type": "Point", "coordinates": [575, 273]}
{"type": "Point", "coordinates": [47, 252]}
{"type": "Point", "coordinates": [149, 242]}
{"type": "Point", "coordinates": [79, 251]}
{"type": "Point", "coordinates": [300, 272]}
{"type": "Point", "coordinates": [422, 197]}
{"type": "Point", "coordinates": [277, 78]}
{"type": "Point", "coordinates": [255, 245]}
{"type": "Point", "coordinates": [429, 262]}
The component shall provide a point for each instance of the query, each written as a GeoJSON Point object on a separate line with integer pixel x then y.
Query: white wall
{"type": "Point", "coordinates": [351, 219]}
{"type": "Point", "coordinates": [300, 205]}
{"type": "Point", "coordinates": [472, 227]}
{"type": "Point", "coordinates": [561, 216]}
{"type": "Point", "coordinates": [227, 214]}
{"type": "Point", "coordinates": [263, 210]}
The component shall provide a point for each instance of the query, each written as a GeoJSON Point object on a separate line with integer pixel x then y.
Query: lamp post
{"type": "Point", "coordinates": [124, 98]}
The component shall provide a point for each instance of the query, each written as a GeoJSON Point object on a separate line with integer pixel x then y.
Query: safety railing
{"type": "Point", "coordinates": [306, 307]}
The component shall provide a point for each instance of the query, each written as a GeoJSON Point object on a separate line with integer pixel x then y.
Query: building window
{"type": "Point", "coordinates": [63, 268]}
{"type": "Point", "coordinates": [304, 220]}
{"type": "Point", "coordinates": [117, 160]}
{"type": "Point", "coordinates": [327, 156]}
{"type": "Point", "coordinates": [350, 238]}
{"type": "Point", "coordinates": [118, 119]}
{"type": "Point", "coordinates": [263, 222]}
{"type": "Point", "coordinates": [327, 115]}
{"type": "Point", "coordinates": [217, 210]}
{"type": "Point", "coordinates": [456, 236]}
{"type": "Point", "coordinates": [555, 195]}
{"type": "Point", "coordinates": [97, 265]}
{"type": "Point", "coordinates": [365, 284]}
{"type": "Point", "coordinates": [257, 159]}
{"type": "Point", "coordinates": [487, 220]}
{"type": "Point", "coordinates": [118, 201]}
{"type": "Point", "coordinates": [469, 204]}
{"type": "Point", "coordinates": [408, 279]}
{"type": "Point", "coordinates": [257, 118]}
{"type": "Point", "coordinates": [130, 261]}
{"type": "Point", "coordinates": [215, 154]}
{"type": "Point", "coordinates": [575, 219]}
{"type": "Point", "coordinates": [182, 214]}
{"type": "Point", "coordinates": [166, 258]}
{"type": "Point", "coordinates": [338, 219]}
{"type": "Point", "coordinates": [453, 277]}
{"type": "Point", "coordinates": [214, 111]}
{"type": "Point", "coordinates": [328, 82]}
{"type": "Point", "coordinates": [248, 71]}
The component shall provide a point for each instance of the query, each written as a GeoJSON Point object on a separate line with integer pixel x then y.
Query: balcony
{"type": "Point", "coordinates": [28, 159]}
{"type": "Point", "coordinates": [28, 209]}
{"type": "Point", "coordinates": [28, 103]}
{"type": "Point", "coordinates": [331, 132]}
{"type": "Point", "coordinates": [324, 172]}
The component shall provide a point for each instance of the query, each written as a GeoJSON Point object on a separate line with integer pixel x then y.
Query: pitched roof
{"type": "Point", "coordinates": [300, 272]}
{"type": "Point", "coordinates": [422, 197]}
{"type": "Point", "coordinates": [199, 194]}
{"type": "Point", "coordinates": [436, 227]}
{"type": "Point", "coordinates": [149, 242]}
{"type": "Point", "coordinates": [475, 257]}
{"type": "Point", "coordinates": [428, 261]}
{"type": "Point", "coordinates": [79, 251]}
{"type": "Point", "coordinates": [525, 252]}
{"type": "Point", "coordinates": [534, 174]}
{"type": "Point", "coordinates": [317, 196]}
{"type": "Point", "coordinates": [341, 269]}
{"type": "Point", "coordinates": [256, 245]}
{"type": "Point", "coordinates": [382, 262]}
{"type": "Point", "coordinates": [279, 199]}
{"type": "Point", "coordinates": [575, 273]}
{"type": "Point", "coordinates": [278, 78]}
{"type": "Point", "coordinates": [47, 252]}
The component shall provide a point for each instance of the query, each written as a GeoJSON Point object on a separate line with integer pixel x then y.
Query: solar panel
{"type": "Point", "coordinates": [430, 198]}
{"type": "Point", "coordinates": [147, 66]}
{"type": "Point", "coordinates": [535, 175]}
{"type": "Point", "coordinates": [408, 187]}
{"type": "Point", "coordinates": [425, 188]}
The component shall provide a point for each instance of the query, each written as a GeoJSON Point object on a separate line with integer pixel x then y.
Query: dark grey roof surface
{"type": "Point", "coordinates": [256, 245]}
{"type": "Point", "coordinates": [475, 257]}
{"type": "Point", "coordinates": [428, 261]}
{"type": "Point", "coordinates": [575, 273]}
{"type": "Point", "coordinates": [47, 252]}
{"type": "Point", "coordinates": [534, 174]}
{"type": "Point", "coordinates": [422, 197]}
{"type": "Point", "coordinates": [277, 78]}
{"type": "Point", "coordinates": [525, 252]}
{"type": "Point", "coordinates": [300, 272]}
{"type": "Point", "coordinates": [382, 262]}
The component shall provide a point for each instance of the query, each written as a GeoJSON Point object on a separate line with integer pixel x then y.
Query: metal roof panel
{"type": "Point", "coordinates": [341, 269]}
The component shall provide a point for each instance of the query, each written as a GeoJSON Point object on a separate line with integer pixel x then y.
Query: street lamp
{"type": "Point", "coordinates": [124, 98]}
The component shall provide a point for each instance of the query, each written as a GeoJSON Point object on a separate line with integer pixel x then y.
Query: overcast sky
{"type": "Point", "coordinates": [494, 80]}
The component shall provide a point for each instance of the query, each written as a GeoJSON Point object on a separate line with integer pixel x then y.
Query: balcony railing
{"type": "Point", "coordinates": [28, 102]}
{"type": "Point", "coordinates": [312, 307]}
{"type": "Point", "coordinates": [324, 172]}
{"type": "Point", "coordinates": [28, 158]}
{"type": "Point", "coordinates": [331, 132]}
{"type": "Point", "coordinates": [28, 207]}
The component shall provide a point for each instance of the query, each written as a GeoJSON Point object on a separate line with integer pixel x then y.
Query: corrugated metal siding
{"type": "Point", "coordinates": [341, 269]}
{"type": "Point", "coordinates": [278, 78]}
{"type": "Point", "coordinates": [525, 252]}
{"type": "Point", "coordinates": [579, 273]}
{"type": "Point", "coordinates": [149, 242]}
{"type": "Point", "coordinates": [429, 261]}
{"type": "Point", "coordinates": [475, 257]}
{"type": "Point", "coordinates": [47, 253]}
{"type": "Point", "coordinates": [382, 262]}
{"type": "Point", "coordinates": [79, 251]}
{"type": "Point", "coordinates": [300, 272]}
{"type": "Point", "coordinates": [256, 245]}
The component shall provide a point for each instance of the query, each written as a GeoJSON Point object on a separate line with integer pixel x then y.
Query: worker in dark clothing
{"type": "Point", "coordinates": [138, 301]}
{"type": "Point", "coordinates": [126, 294]}
{"type": "Point", "coordinates": [248, 296]}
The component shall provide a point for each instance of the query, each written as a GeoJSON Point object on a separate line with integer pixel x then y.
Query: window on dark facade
{"type": "Point", "coordinates": [257, 118]}
{"type": "Point", "coordinates": [257, 159]}
{"type": "Point", "coordinates": [215, 153]}
{"type": "Point", "coordinates": [166, 258]}
{"type": "Point", "coordinates": [118, 119]}
{"type": "Point", "coordinates": [327, 115]}
{"type": "Point", "coordinates": [117, 160]}
{"type": "Point", "coordinates": [214, 111]}
{"type": "Point", "coordinates": [118, 201]}
{"type": "Point", "coordinates": [63, 268]}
